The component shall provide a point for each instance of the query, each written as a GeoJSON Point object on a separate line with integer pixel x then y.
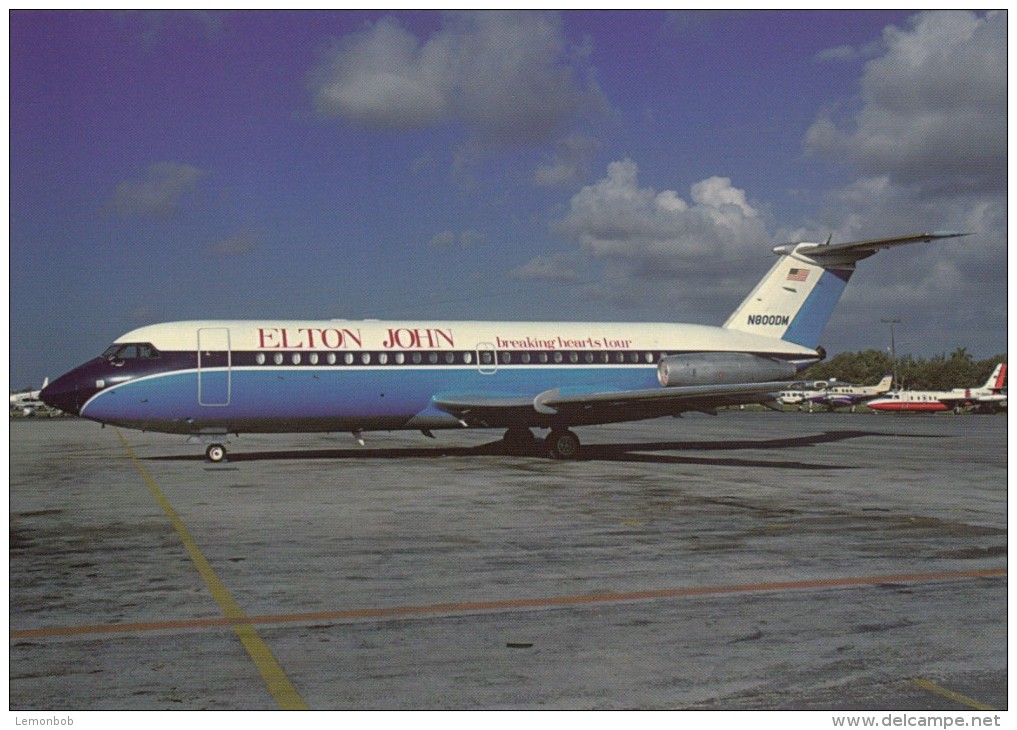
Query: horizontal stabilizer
{"type": "Point", "coordinates": [858, 250]}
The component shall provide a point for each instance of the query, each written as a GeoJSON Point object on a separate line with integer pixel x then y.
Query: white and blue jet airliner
{"type": "Point", "coordinates": [216, 378]}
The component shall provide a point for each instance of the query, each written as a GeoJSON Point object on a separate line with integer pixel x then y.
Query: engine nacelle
{"type": "Point", "coordinates": [713, 368]}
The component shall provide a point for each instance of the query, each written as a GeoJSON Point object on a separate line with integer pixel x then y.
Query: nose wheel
{"type": "Point", "coordinates": [216, 453]}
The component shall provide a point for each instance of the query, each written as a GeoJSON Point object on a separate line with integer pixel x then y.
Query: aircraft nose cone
{"type": "Point", "coordinates": [62, 394]}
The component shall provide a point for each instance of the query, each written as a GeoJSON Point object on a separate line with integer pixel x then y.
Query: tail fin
{"type": "Point", "coordinates": [883, 385]}
{"type": "Point", "coordinates": [997, 379]}
{"type": "Point", "coordinates": [796, 298]}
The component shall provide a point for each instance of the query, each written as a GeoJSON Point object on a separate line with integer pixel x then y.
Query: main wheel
{"type": "Point", "coordinates": [563, 444]}
{"type": "Point", "coordinates": [215, 453]}
{"type": "Point", "coordinates": [518, 439]}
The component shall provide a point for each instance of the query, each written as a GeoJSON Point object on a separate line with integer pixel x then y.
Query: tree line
{"type": "Point", "coordinates": [941, 372]}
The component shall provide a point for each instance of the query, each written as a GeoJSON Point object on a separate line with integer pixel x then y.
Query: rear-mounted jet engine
{"type": "Point", "coordinates": [714, 368]}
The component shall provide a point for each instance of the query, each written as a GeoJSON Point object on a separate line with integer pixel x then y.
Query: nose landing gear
{"type": "Point", "coordinates": [215, 453]}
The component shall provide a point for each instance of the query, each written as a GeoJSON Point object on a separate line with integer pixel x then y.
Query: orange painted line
{"type": "Point", "coordinates": [439, 609]}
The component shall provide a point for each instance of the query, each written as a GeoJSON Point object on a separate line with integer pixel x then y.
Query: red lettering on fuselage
{"type": "Point", "coordinates": [308, 338]}
{"type": "Point", "coordinates": [405, 338]}
{"type": "Point", "coordinates": [266, 338]}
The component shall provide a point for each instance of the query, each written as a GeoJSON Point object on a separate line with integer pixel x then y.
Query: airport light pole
{"type": "Point", "coordinates": [893, 350]}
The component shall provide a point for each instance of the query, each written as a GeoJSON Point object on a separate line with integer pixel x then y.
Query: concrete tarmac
{"type": "Point", "coordinates": [745, 561]}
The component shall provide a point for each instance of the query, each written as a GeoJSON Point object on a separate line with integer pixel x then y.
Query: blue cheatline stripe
{"type": "Point", "coordinates": [298, 393]}
{"type": "Point", "coordinates": [807, 326]}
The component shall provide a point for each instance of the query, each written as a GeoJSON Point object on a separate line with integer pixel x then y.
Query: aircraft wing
{"type": "Point", "coordinates": [993, 403]}
{"type": "Point", "coordinates": [580, 405]}
{"type": "Point", "coordinates": [963, 400]}
{"type": "Point", "coordinates": [953, 400]}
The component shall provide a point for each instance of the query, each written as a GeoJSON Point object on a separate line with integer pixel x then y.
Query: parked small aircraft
{"type": "Point", "coordinates": [27, 402]}
{"type": "Point", "coordinates": [209, 379]}
{"type": "Point", "coordinates": [833, 394]}
{"type": "Point", "coordinates": [990, 397]}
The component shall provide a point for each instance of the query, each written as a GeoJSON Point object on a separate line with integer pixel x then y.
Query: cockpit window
{"type": "Point", "coordinates": [131, 351]}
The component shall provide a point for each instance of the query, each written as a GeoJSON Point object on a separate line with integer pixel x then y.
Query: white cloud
{"type": "Point", "coordinates": [933, 111]}
{"type": "Point", "coordinates": [547, 268]}
{"type": "Point", "coordinates": [505, 74]}
{"type": "Point", "coordinates": [159, 194]}
{"type": "Point", "coordinates": [382, 78]}
{"type": "Point", "coordinates": [651, 233]}
{"type": "Point", "coordinates": [466, 239]}
{"type": "Point", "coordinates": [444, 239]}
{"type": "Point", "coordinates": [570, 162]}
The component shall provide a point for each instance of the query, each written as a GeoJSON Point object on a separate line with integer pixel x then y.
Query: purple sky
{"type": "Point", "coordinates": [583, 165]}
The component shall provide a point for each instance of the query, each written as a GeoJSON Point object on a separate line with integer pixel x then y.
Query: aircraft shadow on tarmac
{"type": "Point", "coordinates": [639, 452]}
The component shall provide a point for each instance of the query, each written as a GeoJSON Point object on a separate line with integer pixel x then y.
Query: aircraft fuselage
{"type": "Point", "coordinates": [218, 377]}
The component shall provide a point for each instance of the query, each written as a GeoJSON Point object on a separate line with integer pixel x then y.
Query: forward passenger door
{"type": "Point", "coordinates": [214, 362]}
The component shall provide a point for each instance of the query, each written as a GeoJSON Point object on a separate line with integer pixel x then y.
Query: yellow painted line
{"type": "Point", "coordinates": [275, 679]}
{"type": "Point", "coordinates": [387, 613]}
{"type": "Point", "coordinates": [951, 695]}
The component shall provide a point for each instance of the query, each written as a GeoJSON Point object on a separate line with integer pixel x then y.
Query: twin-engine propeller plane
{"type": "Point", "coordinates": [990, 398]}
{"type": "Point", "coordinates": [211, 379]}
{"type": "Point", "coordinates": [832, 395]}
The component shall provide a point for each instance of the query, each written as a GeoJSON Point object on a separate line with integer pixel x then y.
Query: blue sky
{"type": "Point", "coordinates": [579, 165]}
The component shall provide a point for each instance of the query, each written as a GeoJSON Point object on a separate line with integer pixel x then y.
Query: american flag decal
{"type": "Point", "coordinates": [798, 275]}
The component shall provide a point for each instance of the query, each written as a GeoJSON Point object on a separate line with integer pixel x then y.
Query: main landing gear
{"type": "Point", "coordinates": [215, 453]}
{"type": "Point", "coordinates": [559, 444]}
{"type": "Point", "coordinates": [562, 444]}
